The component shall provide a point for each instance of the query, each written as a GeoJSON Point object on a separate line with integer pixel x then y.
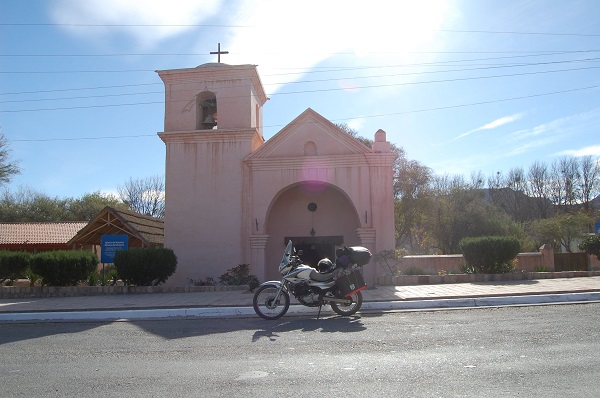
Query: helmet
{"type": "Point", "coordinates": [325, 266]}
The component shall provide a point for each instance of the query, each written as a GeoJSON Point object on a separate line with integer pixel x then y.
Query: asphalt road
{"type": "Point", "coordinates": [539, 351]}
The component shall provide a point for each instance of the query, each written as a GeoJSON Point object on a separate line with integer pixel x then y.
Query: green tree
{"type": "Point", "coordinates": [561, 230]}
{"type": "Point", "coordinates": [413, 201]}
{"type": "Point", "coordinates": [458, 211]}
{"type": "Point", "coordinates": [28, 205]}
{"type": "Point", "coordinates": [89, 205]}
{"type": "Point", "coordinates": [591, 246]}
{"type": "Point", "coordinates": [412, 196]}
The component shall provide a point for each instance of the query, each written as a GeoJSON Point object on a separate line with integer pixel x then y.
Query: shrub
{"type": "Point", "coordinates": [414, 271]}
{"type": "Point", "coordinates": [490, 254]}
{"type": "Point", "coordinates": [239, 275]}
{"type": "Point", "coordinates": [33, 277]}
{"type": "Point", "coordinates": [466, 269]}
{"type": "Point", "coordinates": [145, 266]}
{"type": "Point", "coordinates": [208, 281]}
{"type": "Point", "coordinates": [64, 267]}
{"type": "Point", "coordinates": [13, 265]}
{"type": "Point", "coordinates": [591, 246]}
{"type": "Point", "coordinates": [106, 276]}
{"type": "Point", "coordinates": [390, 260]}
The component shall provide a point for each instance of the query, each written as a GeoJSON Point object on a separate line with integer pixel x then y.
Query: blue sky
{"type": "Point", "coordinates": [462, 85]}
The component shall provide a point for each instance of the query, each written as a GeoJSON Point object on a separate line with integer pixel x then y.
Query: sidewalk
{"type": "Point", "coordinates": [225, 303]}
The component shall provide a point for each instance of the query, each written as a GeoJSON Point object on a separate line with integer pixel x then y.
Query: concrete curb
{"type": "Point", "coordinates": [225, 312]}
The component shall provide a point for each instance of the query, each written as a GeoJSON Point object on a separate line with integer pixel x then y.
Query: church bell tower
{"type": "Point", "coordinates": [213, 121]}
{"type": "Point", "coordinates": [213, 96]}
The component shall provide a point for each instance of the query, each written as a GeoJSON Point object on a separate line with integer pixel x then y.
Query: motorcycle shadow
{"type": "Point", "coordinates": [336, 324]}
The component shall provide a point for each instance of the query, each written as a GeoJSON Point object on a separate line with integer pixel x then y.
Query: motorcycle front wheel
{"type": "Point", "coordinates": [265, 305]}
{"type": "Point", "coordinates": [348, 309]}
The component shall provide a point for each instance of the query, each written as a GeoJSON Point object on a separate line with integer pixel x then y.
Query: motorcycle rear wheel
{"type": "Point", "coordinates": [349, 309]}
{"type": "Point", "coordinates": [264, 305]}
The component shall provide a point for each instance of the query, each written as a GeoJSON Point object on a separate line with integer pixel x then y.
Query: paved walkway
{"type": "Point", "coordinates": [380, 294]}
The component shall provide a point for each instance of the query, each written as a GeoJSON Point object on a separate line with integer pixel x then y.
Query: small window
{"type": "Point", "coordinates": [206, 111]}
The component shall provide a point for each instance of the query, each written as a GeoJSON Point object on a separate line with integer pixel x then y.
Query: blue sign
{"type": "Point", "coordinates": [110, 245]}
{"type": "Point", "coordinates": [598, 228]}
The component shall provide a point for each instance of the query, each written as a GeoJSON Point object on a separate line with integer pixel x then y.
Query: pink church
{"type": "Point", "coordinates": [233, 198]}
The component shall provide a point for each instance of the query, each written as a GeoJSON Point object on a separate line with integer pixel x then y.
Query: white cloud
{"type": "Point", "coordinates": [285, 38]}
{"type": "Point", "coordinates": [563, 129]}
{"type": "Point", "coordinates": [176, 13]}
{"type": "Point", "coordinates": [492, 125]}
{"type": "Point", "coordinates": [593, 150]}
{"type": "Point", "coordinates": [356, 123]}
{"type": "Point", "coordinates": [292, 37]}
{"type": "Point", "coordinates": [569, 125]}
{"type": "Point", "coordinates": [502, 121]}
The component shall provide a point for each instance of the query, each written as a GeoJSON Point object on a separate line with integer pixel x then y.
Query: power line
{"type": "Point", "coordinates": [333, 69]}
{"type": "Point", "coordinates": [528, 53]}
{"type": "Point", "coordinates": [436, 81]}
{"type": "Point", "coordinates": [80, 107]}
{"type": "Point", "coordinates": [481, 102]}
{"type": "Point", "coordinates": [336, 69]}
{"type": "Point", "coordinates": [85, 138]}
{"type": "Point", "coordinates": [81, 97]}
{"type": "Point", "coordinates": [325, 80]}
{"type": "Point", "coordinates": [275, 94]}
{"type": "Point", "coordinates": [74, 71]}
{"type": "Point", "coordinates": [84, 25]}
{"type": "Point", "coordinates": [349, 118]}
{"type": "Point", "coordinates": [81, 88]}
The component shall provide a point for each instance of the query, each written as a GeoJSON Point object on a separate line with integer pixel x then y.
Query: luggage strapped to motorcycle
{"type": "Point", "coordinates": [350, 280]}
{"type": "Point", "coordinates": [352, 255]}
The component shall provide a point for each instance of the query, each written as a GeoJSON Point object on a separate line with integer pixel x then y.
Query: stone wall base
{"type": "Point", "coordinates": [405, 280]}
{"type": "Point", "coordinates": [8, 292]}
{"type": "Point", "coordinates": [13, 292]}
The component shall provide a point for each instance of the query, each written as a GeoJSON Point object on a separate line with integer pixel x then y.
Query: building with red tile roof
{"type": "Point", "coordinates": [38, 236]}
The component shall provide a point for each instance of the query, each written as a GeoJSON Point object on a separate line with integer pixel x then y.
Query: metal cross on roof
{"type": "Point", "coordinates": [219, 52]}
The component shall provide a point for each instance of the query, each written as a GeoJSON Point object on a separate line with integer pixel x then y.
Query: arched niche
{"type": "Point", "coordinates": [316, 215]}
{"type": "Point", "coordinates": [310, 148]}
{"type": "Point", "coordinates": [206, 111]}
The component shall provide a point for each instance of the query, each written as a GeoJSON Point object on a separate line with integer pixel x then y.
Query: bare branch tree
{"type": "Point", "coordinates": [557, 186]}
{"type": "Point", "coordinates": [8, 167]}
{"type": "Point", "coordinates": [590, 179]}
{"type": "Point", "coordinates": [144, 195]}
{"type": "Point", "coordinates": [538, 185]}
{"type": "Point", "coordinates": [569, 169]}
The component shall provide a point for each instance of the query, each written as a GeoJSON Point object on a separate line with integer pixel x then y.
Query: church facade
{"type": "Point", "coordinates": [233, 198]}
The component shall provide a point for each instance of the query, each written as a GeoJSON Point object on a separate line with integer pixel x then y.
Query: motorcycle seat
{"type": "Point", "coordinates": [319, 277]}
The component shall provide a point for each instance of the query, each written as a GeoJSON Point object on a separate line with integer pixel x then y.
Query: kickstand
{"type": "Point", "coordinates": [320, 306]}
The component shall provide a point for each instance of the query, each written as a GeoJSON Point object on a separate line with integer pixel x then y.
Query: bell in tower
{"type": "Point", "coordinates": [206, 111]}
{"type": "Point", "coordinates": [213, 95]}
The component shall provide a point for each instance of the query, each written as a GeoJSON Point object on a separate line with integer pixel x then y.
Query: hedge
{"type": "Point", "coordinates": [13, 265]}
{"type": "Point", "coordinates": [64, 267]}
{"type": "Point", "coordinates": [490, 254]}
{"type": "Point", "coordinates": [145, 266]}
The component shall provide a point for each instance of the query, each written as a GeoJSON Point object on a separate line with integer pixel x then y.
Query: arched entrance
{"type": "Point", "coordinates": [317, 216]}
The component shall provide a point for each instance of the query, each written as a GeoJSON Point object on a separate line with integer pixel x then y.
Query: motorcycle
{"type": "Point", "coordinates": [337, 283]}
